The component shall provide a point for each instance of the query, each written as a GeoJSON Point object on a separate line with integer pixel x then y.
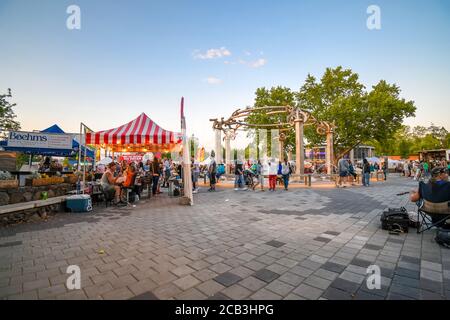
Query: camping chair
{"type": "Point", "coordinates": [431, 214]}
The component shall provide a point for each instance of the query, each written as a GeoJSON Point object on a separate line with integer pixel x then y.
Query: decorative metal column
{"type": "Point", "coordinates": [299, 152]}
{"type": "Point", "coordinates": [329, 151]}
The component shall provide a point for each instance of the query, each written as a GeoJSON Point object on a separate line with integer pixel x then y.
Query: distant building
{"type": "Point", "coordinates": [317, 154]}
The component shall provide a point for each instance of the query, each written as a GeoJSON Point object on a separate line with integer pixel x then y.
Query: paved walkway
{"type": "Point", "coordinates": [300, 244]}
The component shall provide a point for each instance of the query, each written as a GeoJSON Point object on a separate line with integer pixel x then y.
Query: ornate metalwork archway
{"type": "Point", "coordinates": [295, 117]}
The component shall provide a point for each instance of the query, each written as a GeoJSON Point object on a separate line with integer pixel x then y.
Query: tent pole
{"type": "Point", "coordinates": [79, 149]}
{"type": "Point", "coordinates": [84, 162]}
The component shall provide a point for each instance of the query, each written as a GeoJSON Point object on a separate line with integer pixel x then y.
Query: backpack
{"type": "Point", "coordinates": [443, 237]}
{"type": "Point", "coordinates": [395, 219]}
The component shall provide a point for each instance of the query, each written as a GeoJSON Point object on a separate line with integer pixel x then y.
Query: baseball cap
{"type": "Point", "coordinates": [438, 170]}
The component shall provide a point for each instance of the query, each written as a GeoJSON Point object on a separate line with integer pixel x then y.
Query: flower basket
{"type": "Point", "coordinates": [44, 181]}
{"type": "Point", "coordinates": [9, 184]}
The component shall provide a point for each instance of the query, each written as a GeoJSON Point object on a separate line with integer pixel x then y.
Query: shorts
{"type": "Point", "coordinates": [343, 174]}
{"type": "Point", "coordinates": [212, 179]}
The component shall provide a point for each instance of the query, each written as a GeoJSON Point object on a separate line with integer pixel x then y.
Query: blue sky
{"type": "Point", "coordinates": [142, 56]}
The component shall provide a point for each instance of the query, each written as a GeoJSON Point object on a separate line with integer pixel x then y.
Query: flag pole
{"type": "Point", "coordinates": [187, 177]}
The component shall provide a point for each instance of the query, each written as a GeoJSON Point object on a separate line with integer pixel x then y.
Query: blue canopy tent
{"type": "Point", "coordinates": [51, 152]}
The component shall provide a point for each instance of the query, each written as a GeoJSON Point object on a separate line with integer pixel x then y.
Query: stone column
{"type": "Point", "coordinates": [218, 146]}
{"type": "Point", "coordinates": [352, 156]}
{"type": "Point", "coordinates": [281, 149]}
{"type": "Point", "coordinates": [299, 150]}
{"type": "Point", "coordinates": [329, 152]}
{"type": "Point", "coordinates": [228, 153]}
{"type": "Point", "coordinates": [290, 155]}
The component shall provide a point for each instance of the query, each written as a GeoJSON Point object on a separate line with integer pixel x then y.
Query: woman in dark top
{"type": "Point", "coordinates": [366, 173]}
{"type": "Point", "coordinates": [156, 172]}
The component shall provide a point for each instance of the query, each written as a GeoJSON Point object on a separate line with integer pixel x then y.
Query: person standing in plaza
{"type": "Point", "coordinates": [195, 174]}
{"type": "Point", "coordinates": [259, 171]}
{"type": "Point", "coordinates": [285, 172]}
{"type": "Point", "coordinates": [212, 172]}
{"type": "Point", "coordinates": [273, 170]}
{"type": "Point", "coordinates": [366, 173]}
{"type": "Point", "coordinates": [406, 169]}
{"type": "Point", "coordinates": [156, 172]}
{"type": "Point", "coordinates": [239, 176]}
{"type": "Point", "coordinates": [343, 171]}
{"type": "Point", "coordinates": [351, 172]}
{"type": "Point", "coordinates": [385, 169]}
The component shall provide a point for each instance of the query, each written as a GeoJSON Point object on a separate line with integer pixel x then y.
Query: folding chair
{"type": "Point", "coordinates": [429, 211]}
{"type": "Point", "coordinates": [129, 189]}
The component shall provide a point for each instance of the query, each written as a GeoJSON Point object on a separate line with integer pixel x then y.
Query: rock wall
{"type": "Point", "coordinates": [25, 194]}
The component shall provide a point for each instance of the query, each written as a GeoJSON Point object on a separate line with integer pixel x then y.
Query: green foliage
{"type": "Point", "coordinates": [338, 97]}
{"type": "Point", "coordinates": [7, 116]}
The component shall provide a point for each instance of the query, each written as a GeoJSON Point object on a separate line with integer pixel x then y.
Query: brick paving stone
{"type": "Point", "coordinates": [308, 292]}
{"type": "Point", "coordinates": [167, 291]}
{"type": "Point", "coordinates": [191, 294]}
{"type": "Point", "coordinates": [204, 275]}
{"type": "Point", "coordinates": [236, 292]}
{"type": "Point", "coordinates": [410, 292]}
{"type": "Point", "coordinates": [142, 286]}
{"type": "Point", "coordinates": [210, 287]}
{"type": "Point", "coordinates": [430, 275]}
{"type": "Point", "coordinates": [186, 282]}
{"type": "Point", "coordinates": [431, 266]}
{"type": "Point", "coordinates": [279, 287]}
{"type": "Point", "coordinates": [96, 291]}
{"type": "Point", "coordinates": [145, 296]}
{"type": "Point", "coordinates": [36, 284]}
{"type": "Point", "coordinates": [29, 295]}
{"type": "Point", "coordinates": [51, 292]}
{"type": "Point", "coordinates": [317, 282]}
{"type": "Point", "coordinates": [266, 275]}
{"type": "Point", "coordinates": [227, 279]}
{"type": "Point", "coordinates": [264, 294]}
{"type": "Point", "coordinates": [407, 273]}
{"type": "Point", "coordinates": [252, 283]}
{"type": "Point", "coordinates": [118, 294]}
{"type": "Point", "coordinates": [345, 285]}
{"type": "Point", "coordinates": [333, 267]}
{"type": "Point", "coordinates": [291, 278]}
{"type": "Point", "coordinates": [219, 296]}
{"type": "Point", "coordinates": [182, 271]}
{"type": "Point", "coordinates": [275, 243]}
{"type": "Point", "coordinates": [353, 277]}
{"type": "Point", "coordinates": [336, 294]}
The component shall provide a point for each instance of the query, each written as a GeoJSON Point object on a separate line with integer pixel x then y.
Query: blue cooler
{"type": "Point", "coordinates": [79, 203]}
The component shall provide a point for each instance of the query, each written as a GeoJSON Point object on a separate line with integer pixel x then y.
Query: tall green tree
{"type": "Point", "coordinates": [359, 115]}
{"type": "Point", "coordinates": [7, 115]}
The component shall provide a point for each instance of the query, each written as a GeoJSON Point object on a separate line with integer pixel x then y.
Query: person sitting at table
{"type": "Point", "coordinates": [109, 183]}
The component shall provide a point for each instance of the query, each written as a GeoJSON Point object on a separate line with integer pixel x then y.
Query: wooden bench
{"type": "Point", "coordinates": [11, 208]}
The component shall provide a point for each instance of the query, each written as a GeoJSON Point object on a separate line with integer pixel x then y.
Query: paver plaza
{"type": "Point", "coordinates": [307, 243]}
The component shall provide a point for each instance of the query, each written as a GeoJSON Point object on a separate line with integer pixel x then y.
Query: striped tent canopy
{"type": "Point", "coordinates": [139, 135]}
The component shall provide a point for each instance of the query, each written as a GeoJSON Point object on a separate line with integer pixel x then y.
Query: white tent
{"type": "Point", "coordinates": [105, 161]}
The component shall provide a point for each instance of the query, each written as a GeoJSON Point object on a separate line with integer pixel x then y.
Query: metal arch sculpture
{"type": "Point", "coordinates": [295, 117]}
{"type": "Point", "coordinates": [238, 119]}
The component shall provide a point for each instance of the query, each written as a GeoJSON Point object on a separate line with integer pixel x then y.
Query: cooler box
{"type": "Point", "coordinates": [79, 203]}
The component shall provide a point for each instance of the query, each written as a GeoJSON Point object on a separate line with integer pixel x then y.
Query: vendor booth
{"type": "Point", "coordinates": [139, 135]}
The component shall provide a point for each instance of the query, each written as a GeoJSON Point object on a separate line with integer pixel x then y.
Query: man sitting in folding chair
{"type": "Point", "coordinates": [433, 201]}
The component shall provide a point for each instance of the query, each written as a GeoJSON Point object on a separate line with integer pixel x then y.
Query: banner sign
{"type": "Point", "coordinates": [131, 157]}
{"type": "Point", "coordinates": [22, 139]}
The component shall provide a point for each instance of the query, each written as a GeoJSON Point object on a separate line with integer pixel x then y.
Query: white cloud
{"type": "Point", "coordinates": [213, 80]}
{"type": "Point", "coordinates": [247, 53]}
{"type": "Point", "coordinates": [212, 54]}
{"type": "Point", "coordinates": [258, 63]}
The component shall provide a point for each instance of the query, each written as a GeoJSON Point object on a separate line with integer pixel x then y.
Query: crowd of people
{"type": "Point", "coordinates": [420, 170]}
{"type": "Point", "coordinates": [118, 177]}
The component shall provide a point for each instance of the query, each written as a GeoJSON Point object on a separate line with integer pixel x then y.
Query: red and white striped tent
{"type": "Point", "coordinates": [139, 135]}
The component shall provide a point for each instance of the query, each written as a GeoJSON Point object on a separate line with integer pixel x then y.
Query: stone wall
{"type": "Point", "coordinates": [25, 194]}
